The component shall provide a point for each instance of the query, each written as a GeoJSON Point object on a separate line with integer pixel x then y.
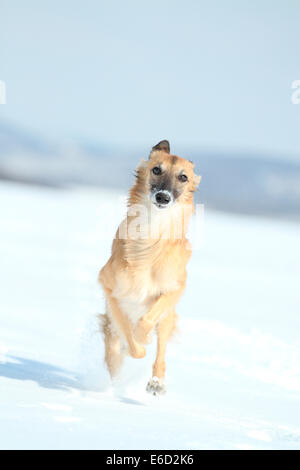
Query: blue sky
{"type": "Point", "coordinates": [213, 74]}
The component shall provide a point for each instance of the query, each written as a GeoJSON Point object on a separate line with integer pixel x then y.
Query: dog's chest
{"type": "Point", "coordinates": [156, 276]}
{"type": "Point", "coordinates": [147, 286]}
{"type": "Point", "coordinates": [134, 309]}
{"type": "Point", "coordinates": [140, 284]}
{"type": "Point", "coordinates": [165, 277]}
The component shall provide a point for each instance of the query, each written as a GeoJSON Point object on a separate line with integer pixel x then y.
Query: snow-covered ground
{"type": "Point", "coordinates": [233, 370]}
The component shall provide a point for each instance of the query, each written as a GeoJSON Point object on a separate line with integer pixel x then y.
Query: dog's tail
{"type": "Point", "coordinates": [104, 323]}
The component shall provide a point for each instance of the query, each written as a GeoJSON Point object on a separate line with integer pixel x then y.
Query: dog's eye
{"type": "Point", "coordinates": [156, 170]}
{"type": "Point", "coordinates": [183, 178]}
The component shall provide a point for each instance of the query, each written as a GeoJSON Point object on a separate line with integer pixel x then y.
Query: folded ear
{"type": "Point", "coordinates": [162, 145]}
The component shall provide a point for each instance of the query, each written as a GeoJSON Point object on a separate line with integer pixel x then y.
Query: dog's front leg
{"type": "Point", "coordinates": [150, 319]}
{"type": "Point", "coordinates": [165, 328]}
{"type": "Point", "coordinates": [136, 350]}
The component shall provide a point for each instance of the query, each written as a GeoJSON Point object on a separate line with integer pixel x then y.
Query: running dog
{"type": "Point", "coordinates": [146, 274]}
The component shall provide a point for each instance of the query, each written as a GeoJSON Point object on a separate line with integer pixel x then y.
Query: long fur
{"type": "Point", "coordinates": [145, 276]}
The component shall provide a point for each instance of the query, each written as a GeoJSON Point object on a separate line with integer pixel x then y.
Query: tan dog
{"type": "Point", "coordinates": [146, 273]}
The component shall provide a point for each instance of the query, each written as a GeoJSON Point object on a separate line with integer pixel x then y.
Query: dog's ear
{"type": "Point", "coordinates": [163, 145]}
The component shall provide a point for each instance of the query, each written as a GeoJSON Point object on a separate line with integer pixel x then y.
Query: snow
{"type": "Point", "coordinates": [233, 369]}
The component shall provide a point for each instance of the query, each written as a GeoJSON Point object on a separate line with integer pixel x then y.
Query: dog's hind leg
{"type": "Point", "coordinates": [112, 342]}
{"type": "Point", "coordinates": [165, 329]}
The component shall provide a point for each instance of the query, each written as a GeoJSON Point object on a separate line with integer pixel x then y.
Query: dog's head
{"type": "Point", "coordinates": [167, 178]}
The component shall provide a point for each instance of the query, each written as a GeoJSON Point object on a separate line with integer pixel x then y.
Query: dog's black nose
{"type": "Point", "coordinates": [162, 198]}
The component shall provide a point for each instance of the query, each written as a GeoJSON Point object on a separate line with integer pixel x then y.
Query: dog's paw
{"type": "Point", "coordinates": [156, 386]}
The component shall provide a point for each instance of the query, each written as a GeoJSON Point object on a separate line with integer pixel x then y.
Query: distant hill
{"type": "Point", "coordinates": [252, 184]}
{"type": "Point", "coordinates": [14, 140]}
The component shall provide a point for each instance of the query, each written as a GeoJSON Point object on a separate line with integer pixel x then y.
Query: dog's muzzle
{"type": "Point", "coordinates": [162, 199]}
